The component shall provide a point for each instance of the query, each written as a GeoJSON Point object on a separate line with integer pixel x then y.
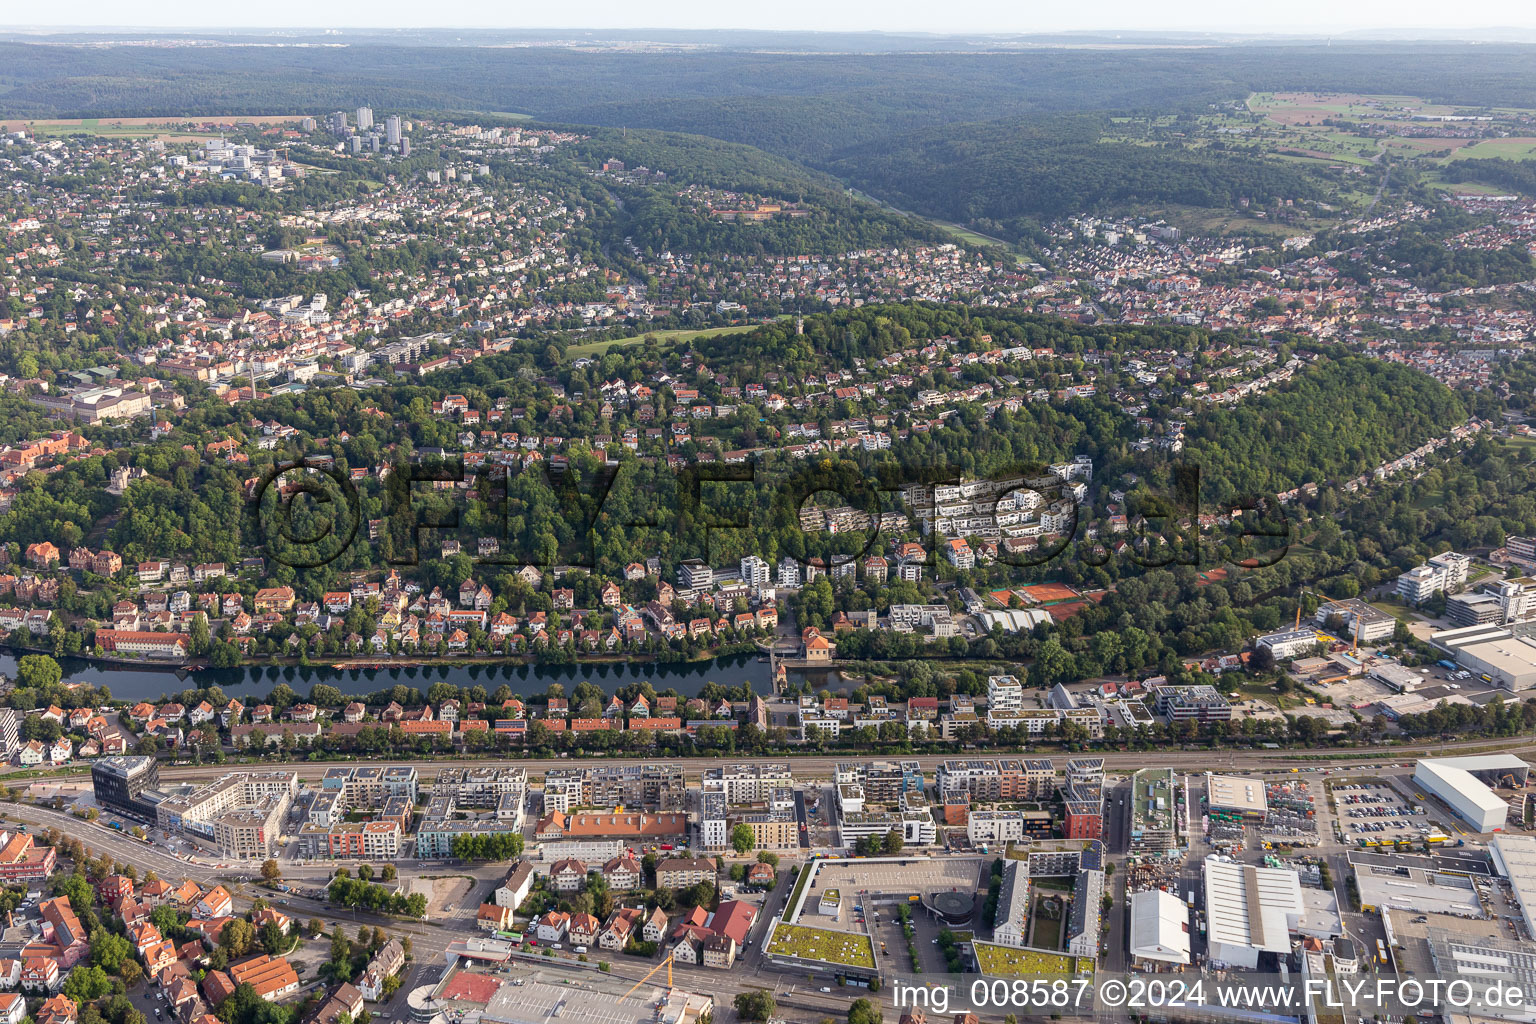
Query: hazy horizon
{"type": "Point", "coordinates": [1307, 17]}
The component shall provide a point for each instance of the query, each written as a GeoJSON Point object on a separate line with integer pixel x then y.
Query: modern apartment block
{"type": "Point", "coordinates": [998, 780]}
{"type": "Point", "coordinates": [1004, 693]}
{"type": "Point", "coordinates": [883, 782]}
{"type": "Point", "coordinates": [1198, 702]}
{"type": "Point", "coordinates": [367, 786]}
{"type": "Point", "coordinates": [349, 840]}
{"type": "Point", "coordinates": [747, 783]}
{"type": "Point", "coordinates": [251, 832]}
{"type": "Point", "coordinates": [240, 795]}
{"type": "Point", "coordinates": [657, 787]}
{"type": "Point", "coordinates": [483, 787]}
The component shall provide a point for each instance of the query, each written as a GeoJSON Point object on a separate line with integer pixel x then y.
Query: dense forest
{"type": "Point", "coordinates": [1515, 175]}
{"type": "Point", "coordinates": [801, 104]}
{"type": "Point", "coordinates": [1335, 422]}
{"type": "Point", "coordinates": [1003, 177]}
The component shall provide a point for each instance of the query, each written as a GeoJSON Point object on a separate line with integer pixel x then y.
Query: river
{"type": "Point", "coordinates": [687, 678]}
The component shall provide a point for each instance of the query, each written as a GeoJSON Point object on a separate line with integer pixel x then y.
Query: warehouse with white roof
{"type": "Point", "coordinates": [1514, 857]}
{"type": "Point", "coordinates": [1249, 910]}
{"type": "Point", "coordinates": [1159, 927]}
{"type": "Point", "coordinates": [1459, 782]}
{"type": "Point", "coordinates": [1231, 794]}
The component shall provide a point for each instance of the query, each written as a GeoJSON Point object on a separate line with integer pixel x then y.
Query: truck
{"type": "Point", "coordinates": [1447, 663]}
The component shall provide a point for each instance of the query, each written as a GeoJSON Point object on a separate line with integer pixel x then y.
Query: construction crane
{"type": "Point", "coordinates": [667, 963]}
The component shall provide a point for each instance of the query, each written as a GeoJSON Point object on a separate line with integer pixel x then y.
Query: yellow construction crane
{"type": "Point", "coordinates": [667, 963]}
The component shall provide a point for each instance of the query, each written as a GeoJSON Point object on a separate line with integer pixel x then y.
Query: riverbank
{"type": "Point", "coordinates": [362, 676]}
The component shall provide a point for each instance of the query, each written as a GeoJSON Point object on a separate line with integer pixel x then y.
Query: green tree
{"type": "Point", "coordinates": [238, 937]}
{"type": "Point", "coordinates": [743, 839]}
{"type": "Point", "coordinates": [755, 1004]}
{"type": "Point", "coordinates": [37, 670]}
{"type": "Point", "coordinates": [109, 950]}
{"type": "Point", "coordinates": [863, 1011]}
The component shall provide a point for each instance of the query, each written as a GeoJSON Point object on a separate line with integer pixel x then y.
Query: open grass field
{"type": "Point", "coordinates": [1397, 611]}
{"type": "Point", "coordinates": [1488, 149]}
{"type": "Point", "coordinates": [597, 348]}
{"type": "Point", "coordinates": [821, 944]}
{"type": "Point", "coordinates": [1466, 188]}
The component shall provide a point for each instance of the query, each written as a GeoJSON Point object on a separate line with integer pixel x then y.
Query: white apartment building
{"type": "Point", "coordinates": [1420, 583]}
{"type": "Point", "coordinates": [747, 783]}
{"type": "Point", "coordinates": [1004, 694]}
{"type": "Point", "coordinates": [1455, 567]}
{"type": "Point", "coordinates": [754, 572]}
{"type": "Point", "coordinates": [789, 573]}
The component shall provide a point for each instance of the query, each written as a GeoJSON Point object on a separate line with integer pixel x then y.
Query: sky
{"type": "Point", "coordinates": [957, 16]}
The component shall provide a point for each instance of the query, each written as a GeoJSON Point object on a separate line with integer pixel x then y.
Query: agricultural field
{"type": "Point", "coordinates": [171, 129]}
{"type": "Point", "coordinates": [1402, 126]}
{"type": "Point", "coordinates": [821, 944]}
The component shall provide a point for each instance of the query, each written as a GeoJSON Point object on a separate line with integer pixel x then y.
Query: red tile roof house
{"type": "Point", "coordinates": [62, 928]}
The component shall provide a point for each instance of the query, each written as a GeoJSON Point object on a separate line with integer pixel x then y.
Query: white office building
{"type": "Point", "coordinates": [1288, 643]}
{"type": "Point", "coordinates": [1420, 583]}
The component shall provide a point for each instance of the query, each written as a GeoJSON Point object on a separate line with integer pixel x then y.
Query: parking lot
{"type": "Point", "coordinates": [1374, 812]}
{"type": "Point", "coordinates": [919, 875]}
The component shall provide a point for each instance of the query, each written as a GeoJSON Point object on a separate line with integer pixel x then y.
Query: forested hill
{"type": "Point", "coordinates": [803, 105]}
{"type": "Point", "coordinates": [1003, 177]}
{"type": "Point", "coordinates": [996, 139]}
{"type": "Point", "coordinates": [1340, 418]}
{"type": "Point", "coordinates": [656, 218]}
{"type": "Point", "coordinates": [1344, 417]}
{"type": "Point", "coordinates": [702, 160]}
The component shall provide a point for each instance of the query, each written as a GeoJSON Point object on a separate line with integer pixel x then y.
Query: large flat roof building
{"type": "Point", "coordinates": [1230, 794]}
{"type": "Point", "coordinates": [1250, 910]}
{"type": "Point", "coordinates": [1514, 857]}
{"type": "Point", "coordinates": [1361, 621]}
{"type": "Point", "coordinates": [1505, 656]}
{"type": "Point", "coordinates": [119, 783]}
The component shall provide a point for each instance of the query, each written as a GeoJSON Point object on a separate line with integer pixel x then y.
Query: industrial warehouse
{"type": "Point", "coordinates": [1463, 784]}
